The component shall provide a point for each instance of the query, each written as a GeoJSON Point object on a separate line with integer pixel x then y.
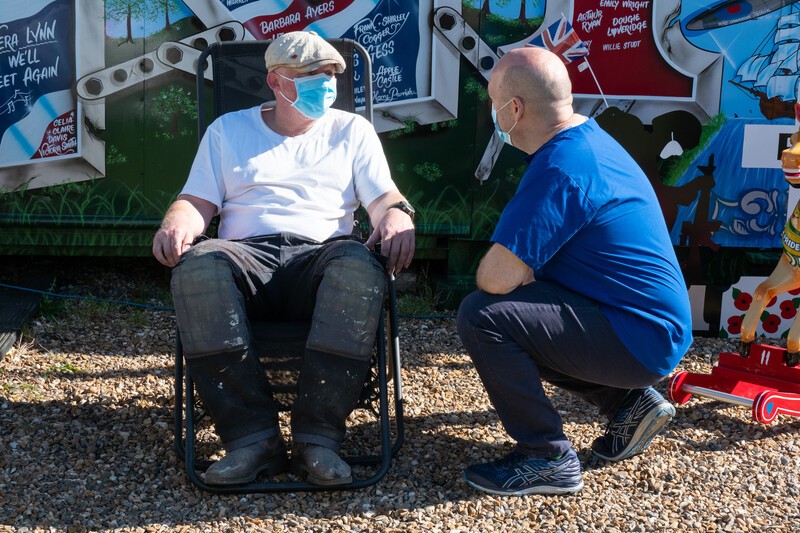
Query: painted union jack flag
{"type": "Point", "coordinates": [561, 39]}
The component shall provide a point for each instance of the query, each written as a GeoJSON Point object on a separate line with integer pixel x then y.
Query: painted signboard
{"type": "Point", "coordinates": [411, 72]}
{"type": "Point", "coordinates": [42, 134]}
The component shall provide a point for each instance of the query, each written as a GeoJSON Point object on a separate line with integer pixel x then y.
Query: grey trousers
{"type": "Point", "coordinates": [219, 286]}
{"type": "Point", "coordinates": [543, 331]}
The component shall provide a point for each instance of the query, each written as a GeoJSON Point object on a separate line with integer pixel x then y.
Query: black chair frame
{"type": "Point", "coordinates": [386, 363]}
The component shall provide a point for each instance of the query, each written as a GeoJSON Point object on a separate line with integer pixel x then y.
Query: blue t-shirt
{"type": "Point", "coordinates": [586, 216]}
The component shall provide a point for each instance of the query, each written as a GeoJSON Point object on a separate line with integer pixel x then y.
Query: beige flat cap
{"type": "Point", "coordinates": [303, 51]}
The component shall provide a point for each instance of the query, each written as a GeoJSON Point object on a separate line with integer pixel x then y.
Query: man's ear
{"type": "Point", "coordinates": [518, 108]}
{"type": "Point", "coordinates": [272, 80]}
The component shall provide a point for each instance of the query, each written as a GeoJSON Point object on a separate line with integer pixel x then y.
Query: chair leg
{"type": "Point", "coordinates": [178, 409]}
{"type": "Point", "coordinates": [394, 339]}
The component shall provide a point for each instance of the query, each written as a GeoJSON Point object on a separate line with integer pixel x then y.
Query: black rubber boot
{"type": "Point", "coordinates": [244, 464]}
{"type": "Point", "coordinates": [328, 390]}
{"type": "Point", "coordinates": [237, 395]}
{"type": "Point", "coordinates": [320, 465]}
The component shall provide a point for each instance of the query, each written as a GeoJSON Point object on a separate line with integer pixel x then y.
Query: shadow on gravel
{"type": "Point", "coordinates": [87, 375]}
{"type": "Point", "coordinates": [85, 466]}
{"type": "Point", "coordinates": [65, 462]}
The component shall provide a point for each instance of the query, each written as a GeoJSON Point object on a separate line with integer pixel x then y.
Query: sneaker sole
{"type": "Point", "coordinates": [648, 429]}
{"type": "Point", "coordinates": [542, 489]}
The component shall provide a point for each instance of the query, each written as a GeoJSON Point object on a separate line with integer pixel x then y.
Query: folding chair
{"type": "Point", "coordinates": [239, 81]}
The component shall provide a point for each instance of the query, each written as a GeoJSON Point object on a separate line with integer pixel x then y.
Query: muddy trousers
{"type": "Point", "coordinates": [219, 286]}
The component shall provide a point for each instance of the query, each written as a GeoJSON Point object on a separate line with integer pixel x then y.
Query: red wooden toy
{"type": "Point", "coordinates": [763, 381]}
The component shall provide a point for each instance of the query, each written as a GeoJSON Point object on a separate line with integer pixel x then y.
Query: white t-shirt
{"type": "Point", "coordinates": [309, 185]}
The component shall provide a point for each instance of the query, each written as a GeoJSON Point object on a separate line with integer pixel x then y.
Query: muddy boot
{"type": "Point", "coordinates": [320, 465]}
{"type": "Point", "coordinates": [244, 464]}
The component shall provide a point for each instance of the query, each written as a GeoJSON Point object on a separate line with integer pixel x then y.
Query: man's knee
{"type": "Point", "coordinates": [355, 251]}
{"type": "Point", "coordinates": [468, 315]}
{"type": "Point", "coordinates": [209, 306]}
{"type": "Point", "coordinates": [351, 268]}
{"type": "Point", "coordinates": [349, 300]}
{"type": "Point", "coordinates": [198, 265]}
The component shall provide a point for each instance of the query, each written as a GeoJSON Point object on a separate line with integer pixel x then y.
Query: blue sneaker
{"type": "Point", "coordinates": [642, 416]}
{"type": "Point", "coordinates": [517, 474]}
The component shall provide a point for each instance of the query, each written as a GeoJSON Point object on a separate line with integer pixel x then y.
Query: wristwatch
{"type": "Point", "coordinates": [403, 206]}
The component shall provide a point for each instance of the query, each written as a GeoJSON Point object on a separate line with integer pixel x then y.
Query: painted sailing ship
{"type": "Point", "coordinates": [772, 73]}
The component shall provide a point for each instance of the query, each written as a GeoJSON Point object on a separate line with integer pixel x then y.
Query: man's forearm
{"type": "Point", "coordinates": [378, 208]}
{"type": "Point", "coordinates": [185, 214]}
{"type": "Point", "coordinates": [500, 271]}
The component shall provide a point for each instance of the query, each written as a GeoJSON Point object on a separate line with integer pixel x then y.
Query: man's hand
{"type": "Point", "coordinates": [185, 220]}
{"type": "Point", "coordinates": [395, 231]}
{"type": "Point", "coordinates": [170, 242]}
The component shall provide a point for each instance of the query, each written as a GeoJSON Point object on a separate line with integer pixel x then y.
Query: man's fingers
{"type": "Point", "coordinates": [159, 251]}
{"type": "Point", "coordinates": [400, 252]}
{"type": "Point", "coordinates": [396, 246]}
{"type": "Point", "coordinates": [409, 253]}
{"type": "Point", "coordinates": [373, 239]}
{"type": "Point", "coordinates": [168, 250]}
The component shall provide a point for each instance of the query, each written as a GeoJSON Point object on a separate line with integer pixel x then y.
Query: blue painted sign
{"type": "Point", "coordinates": [37, 106]}
{"type": "Point", "coordinates": [391, 36]}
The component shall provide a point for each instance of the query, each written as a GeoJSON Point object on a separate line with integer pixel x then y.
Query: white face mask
{"type": "Point", "coordinates": [505, 136]}
{"type": "Point", "coordinates": [315, 94]}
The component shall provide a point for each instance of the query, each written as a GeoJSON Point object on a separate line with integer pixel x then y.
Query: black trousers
{"type": "Point", "coordinates": [220, 285]}
{"type": "Point", "coordinates": [545, 332]}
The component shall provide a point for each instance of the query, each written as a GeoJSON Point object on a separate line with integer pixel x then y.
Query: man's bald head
{"type": "Point", "coordinates": [532, 97]}
{"type": "Point", "coordinates": [535, 75]}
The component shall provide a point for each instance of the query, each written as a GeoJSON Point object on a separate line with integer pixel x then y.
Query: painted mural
{"type": "Point", "coordinates": [98, 112]}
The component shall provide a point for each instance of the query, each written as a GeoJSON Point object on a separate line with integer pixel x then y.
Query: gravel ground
{"type": "Point", "coordinates": [86, 440]}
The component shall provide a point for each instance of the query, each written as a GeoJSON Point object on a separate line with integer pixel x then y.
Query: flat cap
{"type": "Point", "coordinates": [303, 51]}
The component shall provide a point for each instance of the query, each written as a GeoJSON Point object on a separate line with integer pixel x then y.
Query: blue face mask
{"type": "Point", "coordinates": [505, 136]}
{"type": "Point", "coordinates": [315, 94]}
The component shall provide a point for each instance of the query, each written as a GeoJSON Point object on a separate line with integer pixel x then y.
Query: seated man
{"type": "Point", "coordinates": [581, 288]}
{"type": "Point", "coordinates": [285, 178]}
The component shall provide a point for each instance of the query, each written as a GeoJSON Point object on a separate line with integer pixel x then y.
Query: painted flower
{"type": "Point", "coordinates": [735, 325]}
{"type": "Point", "coordinates": [772, 301]}
{"type": "Point", "coordinates": [743, 301]}
{"type": "Point", "coordinates": [771, 323]}
{"type": "Point", "coordinates": [787, 309]}
{"type": "Point", "coordinates": [795, 292]}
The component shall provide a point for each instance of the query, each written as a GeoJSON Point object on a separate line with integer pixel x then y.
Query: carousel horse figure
{"type": "Point", "coordinates": [762, 377]}
{"type": "Point", "coordinates": [786, 276]}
